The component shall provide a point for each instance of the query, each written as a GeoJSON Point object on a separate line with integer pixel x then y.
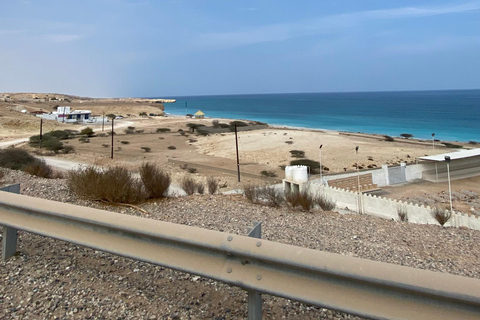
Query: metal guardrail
{"type": "Point", "coordinates": [356, 286]}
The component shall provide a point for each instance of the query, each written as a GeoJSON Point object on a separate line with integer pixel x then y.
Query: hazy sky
{"type": "Point", "coordinates": [105, 48]}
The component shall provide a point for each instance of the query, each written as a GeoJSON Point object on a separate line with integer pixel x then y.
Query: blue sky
{"type": "Point", "coordinates": [105, 48]}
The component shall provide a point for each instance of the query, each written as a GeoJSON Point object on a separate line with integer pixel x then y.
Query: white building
{"type": "Point", "coordinates": [64, 114]}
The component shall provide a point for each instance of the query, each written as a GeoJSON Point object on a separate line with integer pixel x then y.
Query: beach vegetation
{"type": "Point", "coordinates": [406, 135]}
{"type": "Point", "coordinates": [124, 142]}
{"type": "Point", "coordinates": [297, 153]}
{"type": "Point", "coordinates": [188, 185]}
{"type": "Point", "coordinates": [193, 126]}
{"type": "Point", "coordinates": [84, 140]}
{"type": "Point", "coordinates": [163, 130]}
{"type": "Point", "coordinates": [192, 170]}
{"type": "Point", "coordinates": [268, 173]}
{"type": "Point", "coordinates": [442, 215]}
{"type": "Point", "coordinates": [388, 138]}
{"type": "Point", "coordinates": [314, 165]}
{"type": "Point", "coordinates": [181, 132]}
{"type": "Point", "coordinates": [156, 182]}
{"type": "Point", "coordinates": [192, 140]}
{"type": "Point", "coordinates": [289, 142]}
{"type": "Point", "coordinates": [140, 131]}
{"type": "Point", "coordinates": [105, 145]}
{"type": "Point", "coordinates": [212, 185]}
{"type": "Point", "coordinates": [146, 149]}
{"type": "Point", "coordinates": [452, 145]}
{"type": "Point", "coordinates": [224, 125]}
{"type": "Point", "coordinates": [111, 116]}
{"type": "Point", "coordinates": [87, 132]}
{"type": "Point", "coordinates": [171, 147]}
{"type": "Point", "coordinates": [142, 114]}
{"type": "Point", "coordinates": [472, 142]}
{"type": "Point", "coordinates": [215, 124]}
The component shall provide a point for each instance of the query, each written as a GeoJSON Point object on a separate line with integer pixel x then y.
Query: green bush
{"type": "Point", "coordinates": [297, 153]}
{"type": "Point", "coordinates": [87, 132]}
{"type": "Point", "coordinates": [406, 135]}
{"type": "Point", "coordinates": [268, 173]}
{"type": "Point", "coordinates": [314, 165]}
{"type": "Point", "coordinates": [171, 147]}
{"type": "Point", "coordinates": [451, 145]}
{"type": "Point", "coordinates": [163, 130]}
{"type": "Point", "coordinates": [388, 138]}
{"type": "Point", "coordinates": [16, 159]}
{"type": "Point", "coordinates": [124, 142]}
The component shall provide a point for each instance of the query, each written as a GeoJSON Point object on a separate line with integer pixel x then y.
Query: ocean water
{"type": "Point", "coordinates": [453, 115]}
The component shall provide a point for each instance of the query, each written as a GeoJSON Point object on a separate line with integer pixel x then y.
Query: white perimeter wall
{"type": "Point", "coordinates": [387, 208]}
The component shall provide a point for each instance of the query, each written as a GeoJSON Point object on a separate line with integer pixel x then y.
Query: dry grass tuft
{"type": "Point", "coordinates": [442, 215]}
{"type": "Point", "coordinates": [212, 185]}
{"type": "Point", "coordinates": [155, 181]}
{"type": "Point", "coordinates": [113, 185]}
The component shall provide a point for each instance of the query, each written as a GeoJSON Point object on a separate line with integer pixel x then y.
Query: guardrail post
{"type": "Point", "coordinates": [255, 298]}
{"type": "Point", "coordinates": [9, 241]}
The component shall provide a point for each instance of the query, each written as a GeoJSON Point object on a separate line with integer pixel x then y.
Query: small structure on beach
{"type": "Point", "coordinates": [199, 114]}
{"type": "Point", "coordinates": [64, 114]}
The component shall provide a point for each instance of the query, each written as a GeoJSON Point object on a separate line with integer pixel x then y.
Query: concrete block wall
{"type": "Point", "coordinates": [388, 208]}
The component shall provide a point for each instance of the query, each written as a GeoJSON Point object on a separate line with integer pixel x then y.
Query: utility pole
{"type": "Point", "coordinates": [433, 140]}
{"type": "Point", "coordinates": [111, 154]}
{"type": "Point", "coordinates": [41, 127]}
{"type": "Point", "coordinates": [103, 120]}
{"type": "Point", "coordinates": [236, 147]}
{"type": "Point", "coordinates": [447, 160]}
{"type": "Point", "coordinates": [321, 177]}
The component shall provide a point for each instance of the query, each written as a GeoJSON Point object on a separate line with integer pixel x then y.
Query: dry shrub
{"type": "Point", "coordinates": [251, 193]}
{"type": "Point", "coordinates": [155, 181]}
{"type": "Point", "coordinates": [39, 168]}
{"type": "Point", "coordinates": [2, 174]}
{"type": "Point", "coordinates": [442, 215]}
{"type": "Point", "coordinates": [114, 185]}
{"type": "Point", "coordinates": [325, 203]}
{"type": "Point", "coordinates": [212, 185]}
{"type": "Point", "coordinates": [302, 198]}
{"type": "Point", "coordinates": [188, 185]}
{"type": "Point", "coordinates": [402, 213]}
{"type": "Point", "coordinates": [271, 196]}
{"type": "Point", "coordinates": [200, 188]}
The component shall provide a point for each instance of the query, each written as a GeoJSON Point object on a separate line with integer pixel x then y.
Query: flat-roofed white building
{"type": "Point", "coordinates": [65, 114]}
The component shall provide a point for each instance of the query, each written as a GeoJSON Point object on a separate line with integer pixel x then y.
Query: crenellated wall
{"type": "Point", "coordinates": [388, 208]}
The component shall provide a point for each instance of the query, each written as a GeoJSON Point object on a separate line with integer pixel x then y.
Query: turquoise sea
{"type": "Point", "coordinates": [453, 115]}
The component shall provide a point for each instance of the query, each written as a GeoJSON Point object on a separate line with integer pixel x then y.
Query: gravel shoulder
{"type": "Point", "coordinates": [51, 279]}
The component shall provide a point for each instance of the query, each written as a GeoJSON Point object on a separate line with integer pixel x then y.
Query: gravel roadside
{"type": "Point", "coordinates": [51, 279]}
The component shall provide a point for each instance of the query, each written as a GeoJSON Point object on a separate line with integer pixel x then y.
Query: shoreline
{"type": "Point", "coordinates": [378, 136]}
